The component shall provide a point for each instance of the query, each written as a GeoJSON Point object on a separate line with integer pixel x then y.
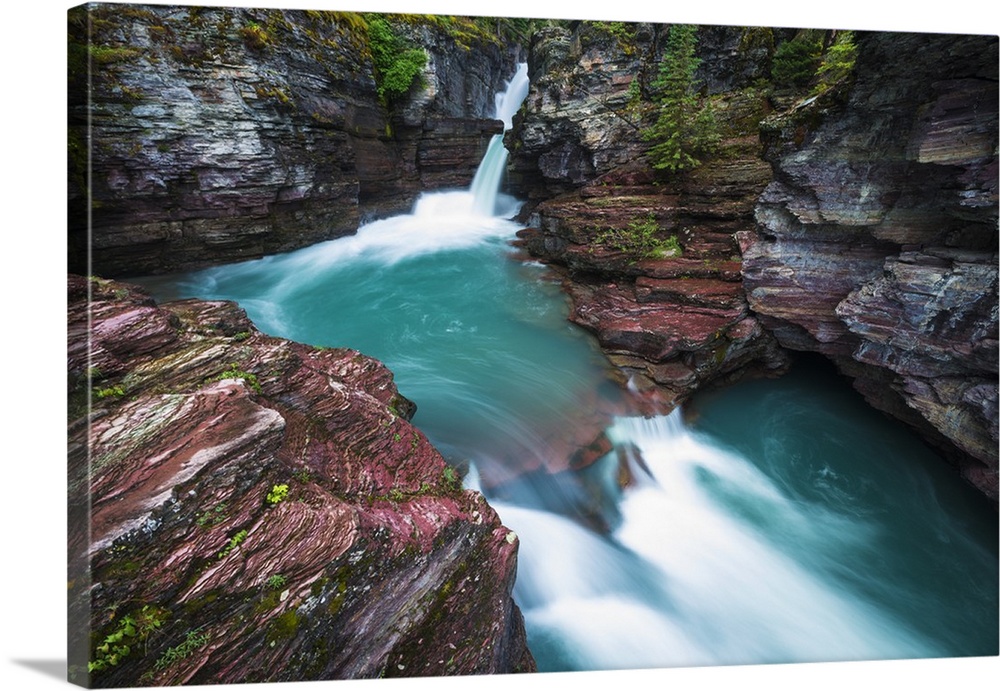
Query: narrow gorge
{"type": "Point", "coordinates": [397, 349]}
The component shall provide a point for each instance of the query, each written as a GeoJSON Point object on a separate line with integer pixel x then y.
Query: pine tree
{"type": "Point", "coordinates": [685, 128]}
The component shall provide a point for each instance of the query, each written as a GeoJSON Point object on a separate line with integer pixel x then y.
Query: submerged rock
{"type": "Point", "coordinates": [245, 509]}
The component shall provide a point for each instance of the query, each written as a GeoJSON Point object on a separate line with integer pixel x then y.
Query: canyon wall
{"type": "Point", "coordinates": [857, 220]}
{"type": "Point", "coordinates": [674, 318]}
{"type": "Point", "coordinates": [877, 238]}
{"type": "Point", "coordinates": [247, 509]}
{"type": "Point", "coordinates": [201, 136]}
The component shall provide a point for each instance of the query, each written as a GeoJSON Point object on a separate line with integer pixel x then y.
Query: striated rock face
{"type": "Point", "coordinates": [260, 510]}
{"type": "Point", "coordinates": [878, 237]}
{"type": "Point", "coordinates": [861, 224]}
{"type": "Point", "coordinates": [222, 134]}
{"type": "Point", "coordinates": [672, 321]}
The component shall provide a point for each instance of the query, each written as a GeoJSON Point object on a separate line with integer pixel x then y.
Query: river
{"type": "Point", "coordinates": [784, 521]}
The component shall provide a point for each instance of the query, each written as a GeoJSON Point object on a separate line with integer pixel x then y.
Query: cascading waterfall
{"type": "Point", "coordinates": [682, 581]}
{"type": "Point", "coordinates": [486, 184]}
{"type": "Point", "coordinates": [710, 554]}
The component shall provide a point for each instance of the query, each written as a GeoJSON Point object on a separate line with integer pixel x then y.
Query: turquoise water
{"type": "Point", "coordinates": [785, 522]}
{"type": "Point", "coordinates": [478, 340]}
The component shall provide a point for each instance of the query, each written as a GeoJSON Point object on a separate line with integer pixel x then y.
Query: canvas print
{"type": "Point", "coordinates": [413, 345]}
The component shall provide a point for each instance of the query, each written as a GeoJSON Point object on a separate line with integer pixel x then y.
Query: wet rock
{"type": "Point", "coordinates": [265, 507]}
{"type": "Point", "coordinates": [224, 134]}
{"type": "Point", "coordinates": [669, 321]}
{"type": "Point", "coordinates": [878, 237]}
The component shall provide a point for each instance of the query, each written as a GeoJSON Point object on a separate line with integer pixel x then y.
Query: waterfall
{"type": "Point", "coordinates": [687, 580]}
{"type": "Point", "coordinates": [707, 555]}
{"type": "Point", "coordinates": [486, 183]}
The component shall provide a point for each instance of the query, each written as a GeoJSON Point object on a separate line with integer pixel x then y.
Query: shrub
{"type": "Point", "coordinates": [795, 61]}
{"type": "Point", "coordinates": [640, 240]}
{"type": "Point", "coordinates": [838, 61]}
{"type": "Point", "coordinates": [397, 65]}
{"type": "Point", "coordinates": [685, 127]}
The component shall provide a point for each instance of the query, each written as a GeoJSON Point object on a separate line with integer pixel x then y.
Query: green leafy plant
{"type": "Point", "coordinates": [115, 391]}
{"type": "Point", "coordinates": [685, 129]}
{"type": "Point", "coordinates": [132, 630]}
{"type": "Point", "coordinates": [398, 65]}
{"type": "Point", "coordinates": [207, 519]}
{"type": "Point", "coordinates": [451, 479]}
{"type": "Point", "coordinates": [234, 372]}
{"type": "Point", "coordinates": [641, 240]}
{"type": "Point", "coordinates": [277, 494]}
{"type": "Point", "coordinates": [194, 640]}
{"type": "Point", "coordinates": [276, 582]}
{"type": "Point", "coordinates": [234, 542]}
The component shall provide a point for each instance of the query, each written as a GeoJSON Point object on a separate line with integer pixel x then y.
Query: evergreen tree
{"type": "Point", "coordinates": [685, 128]}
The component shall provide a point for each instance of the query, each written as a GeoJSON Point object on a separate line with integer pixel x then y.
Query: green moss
{"type": "Point", "coordinates": [624, 34]}
{"type": "Point", "coordinates": [256, 37]}
{"type": "Point", "coordinates": [337, 599]}
{"type": "Point", "coordinates": [196, 605]}
{"type": "Point", "coordinates": [274, 92]}
{"type": "Point", "coordinates": [110, 55]}
{"type": "Point", "coordinates": [283, 627]}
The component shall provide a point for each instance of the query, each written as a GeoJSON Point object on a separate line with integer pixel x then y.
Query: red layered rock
{"type": "Point", "coordinates": [672, 322]}
{"type": "Point", "coordinates": [266, 508]}
{"type": "Point", "coordinates": [878, 239]}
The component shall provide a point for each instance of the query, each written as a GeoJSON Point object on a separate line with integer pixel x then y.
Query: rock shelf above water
{"type": "Point", "coordinates": [272, 498]}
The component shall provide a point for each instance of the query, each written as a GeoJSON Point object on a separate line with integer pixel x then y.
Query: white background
{"type": "Point", "coordinates": [32, 387]}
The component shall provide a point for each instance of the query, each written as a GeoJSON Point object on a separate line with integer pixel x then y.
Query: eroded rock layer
{"type": "Point", "coordinates": [205, 135]}
{"type": "Point", "coordinates": [249, 509]}
{"type": "Point", "coordinates": [878, 237]}
{"type": "Point", "coordinates": [673, 318]}
{"type": "Point", "coordinates": [857, 219]}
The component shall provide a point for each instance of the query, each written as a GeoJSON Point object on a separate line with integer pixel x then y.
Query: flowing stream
{"type": "Point", "coordinates": [787, 522]}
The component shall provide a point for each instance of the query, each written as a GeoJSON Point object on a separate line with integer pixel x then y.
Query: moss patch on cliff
{"type": "Point", "coordinates": [398, 63]}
